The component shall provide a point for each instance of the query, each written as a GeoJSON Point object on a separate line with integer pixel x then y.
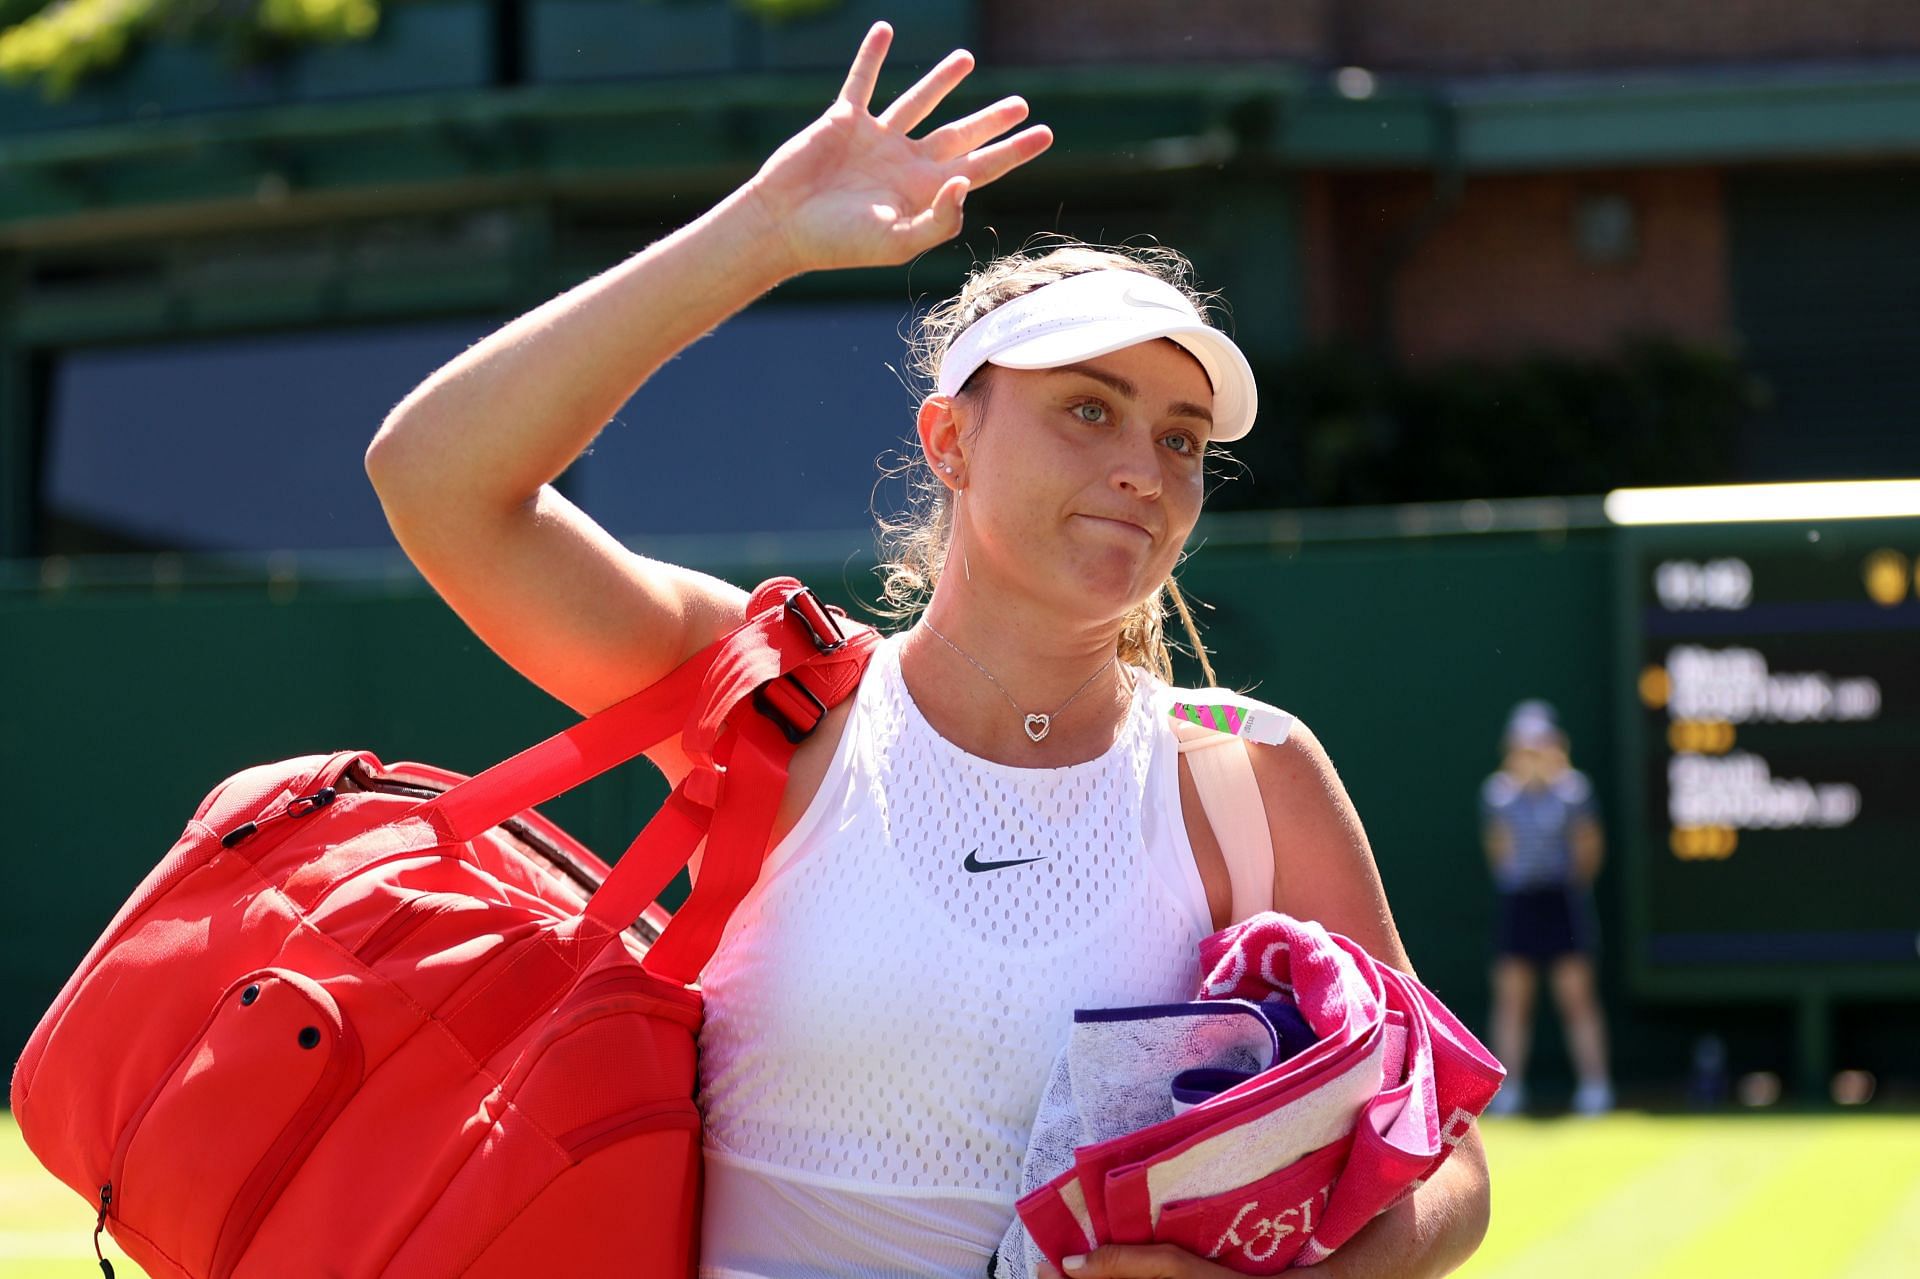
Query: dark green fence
{"type": "Point", "coordinates": [128, 690]}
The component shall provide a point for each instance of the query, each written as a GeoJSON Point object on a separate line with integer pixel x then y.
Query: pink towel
{"type": "Point", "coordinates": [1283, 1169]}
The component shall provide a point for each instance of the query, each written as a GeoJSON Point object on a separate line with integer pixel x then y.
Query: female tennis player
{"type": "Point", "coordinates": [995, 830]}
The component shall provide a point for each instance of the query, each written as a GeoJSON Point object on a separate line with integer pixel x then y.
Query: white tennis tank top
{"type": "Point", "coordinates": [884, 1008]}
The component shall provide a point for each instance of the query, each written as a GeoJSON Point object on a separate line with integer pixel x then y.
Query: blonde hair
{"type": "Point", "coordinates": [914, 543]}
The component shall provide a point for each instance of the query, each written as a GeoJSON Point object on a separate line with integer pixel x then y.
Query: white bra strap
{"type": "Point", "coordinates": [1230, 798]}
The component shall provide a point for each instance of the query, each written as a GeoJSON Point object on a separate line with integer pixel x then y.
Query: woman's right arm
{"type": "Point", "coordinates": [464, 468]}
{"type": "Point", "coordinates": [464, 464]}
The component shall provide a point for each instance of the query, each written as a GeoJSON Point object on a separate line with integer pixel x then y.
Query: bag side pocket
{"type": "Point", "coordinates": [204, 1159]}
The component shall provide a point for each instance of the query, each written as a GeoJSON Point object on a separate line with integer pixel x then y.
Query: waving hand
{"type": "Point", "coordinates": [854, 189]}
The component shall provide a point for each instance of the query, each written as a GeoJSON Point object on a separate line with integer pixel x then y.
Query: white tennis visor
{"type": "Point", "coordinates": [1095, 313]}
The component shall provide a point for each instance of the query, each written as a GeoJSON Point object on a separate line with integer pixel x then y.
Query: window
{"type": "Point", "coordinates": [255, 443]}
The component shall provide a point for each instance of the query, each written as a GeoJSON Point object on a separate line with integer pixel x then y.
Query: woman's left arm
{"type": "Point", "coordinates": [1324, 871]}
{"type": "Point", "coordinates": [1432, 1232]}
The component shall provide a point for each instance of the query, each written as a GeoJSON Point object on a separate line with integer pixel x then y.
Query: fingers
{"type": "Point", "coordinates": [989, 164]}
{"type": "Point", "coordinates": [865, 72]}
{"type": "Point", "coordinates": [951, 141]}
{"type": "Point", "coordinates": [939, 221]}
{"type": "Point", "coordinates": [1139, 1261]}
{"type": "Point", "coordinates": [917, 103]}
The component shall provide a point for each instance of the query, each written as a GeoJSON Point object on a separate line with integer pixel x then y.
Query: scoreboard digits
{"type": "Point", "coordinates": [1773, 747]}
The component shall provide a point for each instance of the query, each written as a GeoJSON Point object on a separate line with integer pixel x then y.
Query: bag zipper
{"type": "Point", "coordinates": [265, 1195]}
{"type": "Point", "coordinates": [433, 782]}
{"type": "Point", "coordinates": [116, 1167]}
{"type": "Point", "coordinates": [299, 806]}
{"type": "Point", "coordinates": [326, 784]}
{"type": "Point", "coordinates": [100, 1224]}
{"type": "Point", "coordinates": [327, 775]}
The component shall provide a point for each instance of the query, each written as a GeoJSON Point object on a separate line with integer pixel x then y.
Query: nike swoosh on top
{"type": "Point", "coordinates": [1135, 297]}
{"type": "Point", "coordinates": [974, 865]}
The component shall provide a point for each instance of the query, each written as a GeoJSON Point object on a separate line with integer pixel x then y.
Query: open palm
{"type": "Point", "coordinates": [853, 189]}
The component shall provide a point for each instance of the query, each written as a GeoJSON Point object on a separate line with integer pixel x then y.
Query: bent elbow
{"type": "Point", "coordinates": [1473, 1206]}
{"type": "Point", "coordinates": [1479, 1215]}
{"type": "Point", "coordinates": [378, 458]}
{"type": "Point", "coordinates": [387, 461]}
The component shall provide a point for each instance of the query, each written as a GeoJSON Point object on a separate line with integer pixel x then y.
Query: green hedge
{"type": "Point", "coordinates": [59, 44]}
{"type": "Point", "coordinates": [1338, 428]}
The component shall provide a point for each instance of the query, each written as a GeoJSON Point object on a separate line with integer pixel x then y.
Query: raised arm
{"type": "Point", "coordinates": [464, 464]}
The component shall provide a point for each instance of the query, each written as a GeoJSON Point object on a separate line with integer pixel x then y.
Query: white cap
{"type": "Point", "coordinates": [1532, 724]}
{"type": "Point", "coordinates": [1095, 313]}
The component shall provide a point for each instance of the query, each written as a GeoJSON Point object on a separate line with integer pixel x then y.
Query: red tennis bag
{"type": "Point", "coordinates": [367, 1020]}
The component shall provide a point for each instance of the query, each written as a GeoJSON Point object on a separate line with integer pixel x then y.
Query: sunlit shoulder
{"type": "Point", "coordinates": [1323, 866]}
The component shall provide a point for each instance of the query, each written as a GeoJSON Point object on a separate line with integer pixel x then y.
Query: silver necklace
{"type": "Point", "coordinates": [1036, 725]}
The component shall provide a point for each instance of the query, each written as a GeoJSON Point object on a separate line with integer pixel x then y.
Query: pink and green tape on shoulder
{"type": "Point", "coordinates": [1232, 714]}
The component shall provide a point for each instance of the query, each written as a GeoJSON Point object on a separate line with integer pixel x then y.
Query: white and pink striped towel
{"type": "Point", "coordinates": [1369, 1085]}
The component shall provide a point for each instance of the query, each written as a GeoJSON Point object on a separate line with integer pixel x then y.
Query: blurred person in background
{"type": "Point", "coordinates": [991, 832]}
{"type": "Point", "coordinates": [1544, 844]}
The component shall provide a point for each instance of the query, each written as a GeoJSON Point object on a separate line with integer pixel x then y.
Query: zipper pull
{"type": "Point", "coordinates": [99, 1224]}
{"type": "Point", "coordinates": [297, 807]}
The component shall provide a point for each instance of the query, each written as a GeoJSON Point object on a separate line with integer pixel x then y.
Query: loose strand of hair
{"type": "Point", "coordinates": [1193, 632]}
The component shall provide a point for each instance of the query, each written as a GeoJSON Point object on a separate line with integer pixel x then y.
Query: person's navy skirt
{"type": "Point", "coordinates": [1542, 924]}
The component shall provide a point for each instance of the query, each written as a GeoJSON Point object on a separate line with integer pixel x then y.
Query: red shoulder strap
{"type": "Point", "coordinates": [741, 705]}
{"type": "Point", "coordinates": [764, 692]}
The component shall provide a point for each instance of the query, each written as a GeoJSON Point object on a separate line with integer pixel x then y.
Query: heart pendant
{"type": "Point", "coordinates": [1037, 726]}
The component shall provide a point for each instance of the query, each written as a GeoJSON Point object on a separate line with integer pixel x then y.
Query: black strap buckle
{"type": "Point", "coordinates": [768, 699]}
{"type": "Point", "coordinates": [819, 620]}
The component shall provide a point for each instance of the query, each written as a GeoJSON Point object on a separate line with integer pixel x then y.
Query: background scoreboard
{"type": "Point", "coordinates": [1769, 724]}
